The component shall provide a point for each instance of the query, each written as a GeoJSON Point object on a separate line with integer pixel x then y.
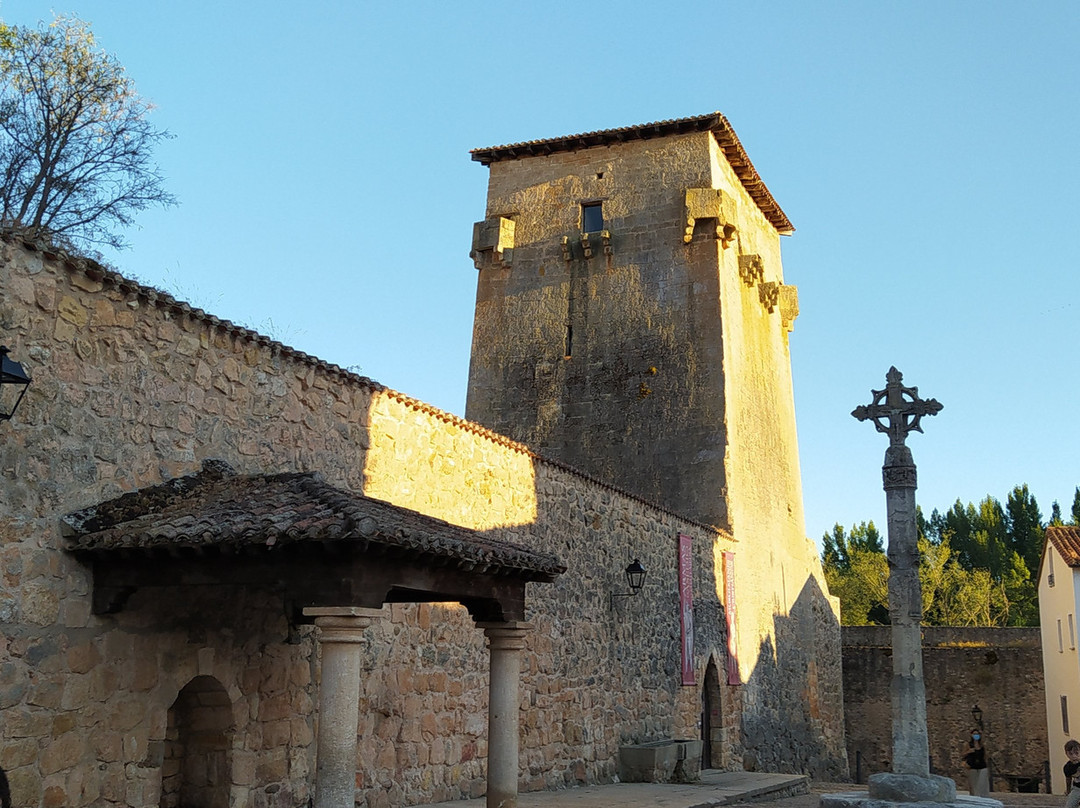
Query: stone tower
{"type": "Point", "coordinates": [632, 320]}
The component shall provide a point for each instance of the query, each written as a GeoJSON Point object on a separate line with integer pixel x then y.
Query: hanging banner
{"type": "Point", "coordinates": [686, 608]}
{"type": "Point", "coordinates": [729, 619]}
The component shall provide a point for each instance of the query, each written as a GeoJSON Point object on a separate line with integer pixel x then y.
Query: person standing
{"type": "Point", "coordinates": [1072, 774]}
{"type": "Point", "coordinates": [975, 763]}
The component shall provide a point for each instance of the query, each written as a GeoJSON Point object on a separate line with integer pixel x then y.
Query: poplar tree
{"type": "Point", "coordinates": [1025, 527]}
{"type": "Point", "coordinates": [75, 140]}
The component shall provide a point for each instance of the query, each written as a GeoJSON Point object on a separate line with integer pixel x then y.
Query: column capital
{"type": "Point", "coordinates": [342, 623]}
{"type": "Point", "coordinates": [508, 636]}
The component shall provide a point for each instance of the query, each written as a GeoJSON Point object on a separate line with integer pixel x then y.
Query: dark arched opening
{"type": "Point", "coordinates": [195, 772]}
{"type": "Point", "coordinates": [712, 729]}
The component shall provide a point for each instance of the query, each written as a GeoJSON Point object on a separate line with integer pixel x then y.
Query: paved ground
{"type": "Point", "coordinates": [715, 789]}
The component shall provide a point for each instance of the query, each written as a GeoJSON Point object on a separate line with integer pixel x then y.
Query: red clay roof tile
{"type": "Point", "coordinates": [713, 122]}
{"type": "Point", "coordinates": [1066, 540]}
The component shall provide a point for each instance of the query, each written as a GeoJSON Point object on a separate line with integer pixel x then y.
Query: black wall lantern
{"type": "Point", "coordinates": [635, 579]}
{"type": "Point", "coordinates": [976, 714]}
{"type": "Point", "coordinates": [13, 384]}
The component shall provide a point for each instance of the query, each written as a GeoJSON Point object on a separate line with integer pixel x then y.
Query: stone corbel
{"type": "Point", "coordinates": [567, 252]}
{"type": "Point", "coordinates": [789, 305]}
{"type": "Point", "coordinates": [590, 242]}
{"type": "Point", "coordinates": [708, 203]}
{"type": "Point", "coordinates": [751, 269]}
{"type": "Point", "coordinates": [493, 238]}
{"type": "Point", "coordinates": [769, 295]}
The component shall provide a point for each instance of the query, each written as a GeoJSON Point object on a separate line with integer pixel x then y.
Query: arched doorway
{"type": "Point", "coordinates": [712, 730]}
{"type": "Point", "coordinates": [195, 772]}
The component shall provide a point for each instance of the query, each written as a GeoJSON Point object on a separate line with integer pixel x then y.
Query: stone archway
{"type": "Point", "coordinates": [196, 769]}
{"type": "Point", "coordinates": [712, 719]}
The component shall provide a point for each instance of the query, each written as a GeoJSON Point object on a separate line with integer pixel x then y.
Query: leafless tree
{"type": "Point", "coordinates": [75, 140]}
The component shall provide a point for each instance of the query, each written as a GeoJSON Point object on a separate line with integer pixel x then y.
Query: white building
{"type": "Point", "coordinates": [1059, 604]}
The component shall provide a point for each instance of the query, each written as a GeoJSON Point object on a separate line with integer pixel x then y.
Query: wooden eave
{"type": "Point", "coordinates": [293, 533]}
{"type": "Point", "coordinates": [714, 122]}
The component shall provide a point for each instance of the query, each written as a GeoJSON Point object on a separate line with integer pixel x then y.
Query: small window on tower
{"type": "Point", "coordinates": [592, 217]}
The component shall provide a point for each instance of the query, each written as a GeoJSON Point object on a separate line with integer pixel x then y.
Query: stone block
{"type": "Point", "coordinates": [688, 767]}
{"type": "Point", "coordinates": [892, 787]}
{"type": "Point", "coordinates": [648, 762]}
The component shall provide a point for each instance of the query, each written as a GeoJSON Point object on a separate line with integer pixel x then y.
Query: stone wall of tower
{"type": "Point", "coordinates": [660, 363]}
{"type": "Point", "coordinates": [612, 363]}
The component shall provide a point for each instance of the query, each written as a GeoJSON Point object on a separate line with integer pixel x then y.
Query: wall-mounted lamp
{"type": "Point", "coordinates": [976, 714]}
{"type": "Point", "coordinates": [635, 579]}
{"type": "Point", "coordinates": [13, 384]}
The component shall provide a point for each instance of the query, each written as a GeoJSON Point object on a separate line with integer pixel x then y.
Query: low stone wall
{"type": "Point", "coordinates": [132, 388]}
{"type": "Point", "coordinates": [998, 669]}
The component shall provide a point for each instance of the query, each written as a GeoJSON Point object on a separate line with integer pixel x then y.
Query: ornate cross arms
{"type": "Point", "coordinates": [897, 410]}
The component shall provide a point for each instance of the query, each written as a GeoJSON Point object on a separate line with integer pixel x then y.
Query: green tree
{"type": "Point", "coordinates": [1075, 508]}
{"type": "Point", "coordinates": [839, 546]}
{"type": "Point", "coordinates": [862, 587]}
{"type": "Point", "coordinates": [75, 141]}
{"type": "Point", "coordinates": [1024, 527]}
{"type": "Point", "coordinates": [1055, 514]}
{"type": "Point", "coordinates": [977, 564]}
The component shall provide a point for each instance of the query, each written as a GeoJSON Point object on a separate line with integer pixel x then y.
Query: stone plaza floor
{"type": "Point", "coordinates": [718, 788]}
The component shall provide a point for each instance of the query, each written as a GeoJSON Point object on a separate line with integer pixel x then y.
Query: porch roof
{"type": "Point", "coordinates": [324, 545]}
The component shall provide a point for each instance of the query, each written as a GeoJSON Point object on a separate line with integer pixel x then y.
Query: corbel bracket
{"type": "Point", "coordinates": [591, 242]}
{"type": "Point", "coordinates": [789, 305]}
{"type": "Point", "coordinates": [708, 204]}
{"type": "Point", "coordinates": [493, 242]}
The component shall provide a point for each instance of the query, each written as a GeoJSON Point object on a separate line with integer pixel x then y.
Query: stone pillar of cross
{"type": "Point", "coordinates": [897, 411]}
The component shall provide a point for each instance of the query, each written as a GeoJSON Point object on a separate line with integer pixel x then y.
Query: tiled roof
{"type": "Point", "coordinates": [1066, 539]}
{"type": "Point", "coordinates": [713, 122]}
{"type": "Point", "coordinates": [217, 510]}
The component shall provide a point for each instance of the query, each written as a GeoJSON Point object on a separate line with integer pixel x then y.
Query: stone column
{"type": "Point", "coordinates": [505, 642]}
{"type": "Point", "coordinates": [897, 411]}
{"type": "Point", "coordinates": [341, 636]}
{"type": "Point", "coordinates": [911, 751]}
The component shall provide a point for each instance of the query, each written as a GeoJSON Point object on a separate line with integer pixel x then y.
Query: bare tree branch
{"type": "Point", "coordinates": [75, 140]}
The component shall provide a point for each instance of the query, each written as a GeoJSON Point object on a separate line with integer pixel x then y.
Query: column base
{"type": "Point", "coordinates": [892, 787]}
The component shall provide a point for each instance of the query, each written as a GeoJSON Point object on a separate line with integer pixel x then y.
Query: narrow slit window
{"type": "Point", "coordinates": [1065, 715]}
{"type": "Point", "coordinates": [1072, 634]}
{"type": "Point", "coordinates": [592, 217]}
{"type": "Point", "coordinates": [1061, 641]}
{"type": "Point", "coordinates": [569, 342]}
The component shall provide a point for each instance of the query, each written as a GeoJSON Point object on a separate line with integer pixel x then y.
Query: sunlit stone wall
{"type": "Point", "coordinates": [132, 388]}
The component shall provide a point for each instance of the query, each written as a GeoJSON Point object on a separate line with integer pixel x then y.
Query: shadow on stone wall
{"type": "Point", "coordinates": [794, 694]}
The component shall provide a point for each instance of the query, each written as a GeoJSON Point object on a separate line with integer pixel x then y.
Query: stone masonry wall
{"type": "Point", "coordinates": [662, 366]}
{"type": "Point", "coordinates": [132, 388]}
{"type": "Point", "coordinates": [999, 669]}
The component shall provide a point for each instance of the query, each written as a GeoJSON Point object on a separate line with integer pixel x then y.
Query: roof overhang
{"type": "Point", "coordinates": [320, 546]}
{"type": "Point", "coordinates": [714, 122]}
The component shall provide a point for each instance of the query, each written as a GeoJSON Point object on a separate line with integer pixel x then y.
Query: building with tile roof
{"type": "Point", "coordinates": [1059, 607]}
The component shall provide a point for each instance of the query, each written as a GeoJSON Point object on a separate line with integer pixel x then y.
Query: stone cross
{"type": "Point", "coordinates": [896, 411]}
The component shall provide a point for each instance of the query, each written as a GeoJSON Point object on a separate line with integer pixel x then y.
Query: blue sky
{"type": "Point", "coordinates": [925, 151]}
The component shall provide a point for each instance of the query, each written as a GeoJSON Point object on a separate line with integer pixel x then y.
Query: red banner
{"type": "Point", "coordinates": [686, 608]}
{"type": "Point", "coordinates": [729, 619]}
